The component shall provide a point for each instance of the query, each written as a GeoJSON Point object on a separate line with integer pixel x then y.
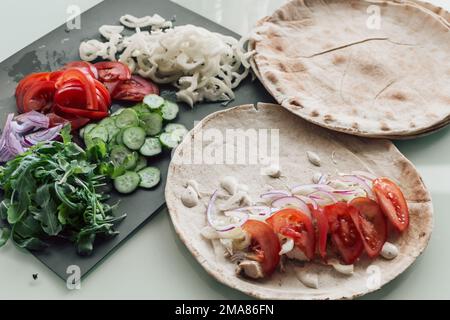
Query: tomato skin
{"type": "Point", "coordinates": [38, 96]}
{"type": "Point", "coordinates": [112, 71]}
{"type": "Point", "coordinates": [392, 202]}
{"type": "Point", "coordinates": [89, 114]}
{"type": "Point", "coordinates": [265, 244]}
{"type": "Point", "coordinates": [371, 224]}
{"type": "Point", "coordinates": [321, 225]}
{"type": "Point", "coordinates": [103, 96]}
{"type": "Point", "coordinates": [295, 224]}
{"type": "Point", "coordinates": [85, 67]}
{"type": "Point", "coordinates": [25, 84]}
{"type": "Point", "coordinates": [134, 89]}
{"type": "Point", "coordinates": [344, 233]}
{"type": "Point", "coordinates": [71, 76]}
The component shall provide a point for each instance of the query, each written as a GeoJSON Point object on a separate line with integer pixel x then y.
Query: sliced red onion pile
{"type": "Point", "coordinates": [24, 131]}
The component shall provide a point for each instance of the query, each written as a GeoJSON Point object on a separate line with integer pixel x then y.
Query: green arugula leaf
{"type": "Point", "coordinates": [65, 133]}
{"type": "Point", "coordinates": [46, 214]}
{"type": "Point", "coordinates": [5, 233]}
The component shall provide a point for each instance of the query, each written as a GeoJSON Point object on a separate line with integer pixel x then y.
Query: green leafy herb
{"type": "Point", "coordinates": [54, 189]}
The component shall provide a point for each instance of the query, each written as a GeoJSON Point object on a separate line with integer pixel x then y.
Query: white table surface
{"type": "Point", "coordinates": [154, 264]}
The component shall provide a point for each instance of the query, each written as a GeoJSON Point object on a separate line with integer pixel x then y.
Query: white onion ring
{"type": "Point", "coordinates": [294, 201]}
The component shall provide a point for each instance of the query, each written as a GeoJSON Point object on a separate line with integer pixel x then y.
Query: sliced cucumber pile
{"type": "Point", "coordinates": [132, 135]}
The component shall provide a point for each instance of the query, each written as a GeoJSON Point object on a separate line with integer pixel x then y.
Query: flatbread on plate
{"type": "Point", "coordinates": [331, 63]}
{"type": "Point", "coordinates": [296, 137]}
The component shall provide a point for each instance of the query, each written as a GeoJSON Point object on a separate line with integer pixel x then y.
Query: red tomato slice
{"type": "Point", "coordinates": [392, 202]}
{"type": "Point", "coordinates": [371, 224]}
{"type": "Point", "coordinates": [297, 225]}
{"type": "Point", "coordinates": [112, 71]}
{"type": "Point", "coordinates": [111, 85]}
{"type": "Point", "coordinates": [264, 244]}
{"type": "Point", "coordinates": [71, 76]}
{"type": "Point", "coordinates": [38, 96]}
{"type": "Point", "coordinates": [321, 227]}
{"type": "Point", "coordinates": [83, 66]}
{"type": "Point", "coordinates": [344, 234]}
{"type": "Point", "coordinates": [25, 84]}
{"type": "Point", "coordinates": [55, 119]}
{"type": "Point", "coordinates": [103, 96]}
{"type": "Point", "coordinates": [134, 89]}
{"type": "Point", "coordinates": [89, 114]}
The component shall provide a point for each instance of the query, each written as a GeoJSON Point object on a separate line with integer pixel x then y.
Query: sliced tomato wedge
{"type": "Point", "coordinates": [265, 245]}
{"type": "Point", "coordinates": [38, 96]}
{"type": "Point", "coordinates": [111, 85]}
{"type": "Point", "coordinates": [75, 121]}
{"type": "Point", "coordinates": [83, 66]}
{"type": "Point", "coordinates": [321, 228]}
{"type": "Point", "coordinates": [371, 224]}
{"type": "Point", "coordinates": [25, 84]}
{"type": "Point", "coordinates": [103, 96]}
{"type": "Point", "coordinates": [392, 202]}
{"type": "Point", "coordinates": [89, 114]}
{"type": "Point", "coordinates": [112, 71]}
{"type": "Point", "coordinates": [344, 234]}
{"type": "Point", "coordinates": [297, 225]}
{"type": "Point", "coordinates": [55, 119]}
{"type": "Point", "coordinates": [75, 77]}
{"type": "Point", "coordinates": [134, 89]}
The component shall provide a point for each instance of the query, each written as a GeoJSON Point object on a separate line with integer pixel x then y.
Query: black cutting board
{"type": "Point", "coordinates": [61, 46]}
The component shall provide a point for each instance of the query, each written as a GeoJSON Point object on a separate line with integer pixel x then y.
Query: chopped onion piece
{"type": "Point", "coordinates": [209, 215]}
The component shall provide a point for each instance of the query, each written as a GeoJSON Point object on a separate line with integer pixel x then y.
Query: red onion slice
{"type": "Point", "coordinates": [291, 201]}
{"type": "Point", "coordinates": [365, 175]}
{"type": "Point", "coordinates": [209, 216]}
{"type": "Point", "coordinates": [358, 181]}
{"type": "Point", "coordinates": [275, 194]}
{"type": "Point", "coordinates": [303, 187]}
{"type": "Point", "coordinates": [319, 195]}
{"type": "Point", "coordinates": [308, 201]}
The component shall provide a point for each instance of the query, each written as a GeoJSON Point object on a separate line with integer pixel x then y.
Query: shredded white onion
{"type": "Point", "coordinates": [203, 65]}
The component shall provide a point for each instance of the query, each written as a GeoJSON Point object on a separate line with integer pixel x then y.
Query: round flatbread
{"type": "Point", "coordinates": [366, 67]}
{"type": "Point", "coordinates": [338, 153]}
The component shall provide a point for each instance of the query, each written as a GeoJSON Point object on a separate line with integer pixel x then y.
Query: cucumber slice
{"type": "Point", "coordinates": [117, 112]}
{"type": "Point", "coordinates": [169, 110]}
{"type": "Point", "coordinates": [87, 128]}
{"type": "Point", "coordinates": [173, 126]}
{"type": "Point", "coordinates": [110, 125]}
{"type": "Point", "coordinates": [119, 136]}
{"type": "Point", "coordinates": [167, 140]}
{"type": "Point", "coordinates": [99, 132]}
{"type": "Point", "coordinates": [127, 118]}
{"type": "Point", "coordinates": [178, 131]}
{"type": "Point", "coordinates": [133, 137]}
{"type": "Point", "coordinates": [153, 101]}
{"type": "Point", "coordinates": [151, 147]}
{"type": "Point", "coordinates": [127, 183]}
{"type": "Point", "coordinates": [149, 176]}
{"type": "Point", "coordinates": [141, 163]}
{"type": "Point", "coordinates": [141, 108]}
{"type": "Point", "coordinates": [152, 123]}
{"type": "Point", "coordinates": [121, 155]}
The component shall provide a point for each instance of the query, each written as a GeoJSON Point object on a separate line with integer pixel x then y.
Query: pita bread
{"type": "Point", "coordinates": [296, 137]}
{"type": "Point", "coordinates": [320, 60]}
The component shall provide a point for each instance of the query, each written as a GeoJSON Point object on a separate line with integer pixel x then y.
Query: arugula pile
{"type": "Point", "coordinates": [57, 190]}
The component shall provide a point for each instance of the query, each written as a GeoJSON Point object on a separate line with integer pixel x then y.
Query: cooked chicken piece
{"type": "Point", "coordinates": [250, 268]}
